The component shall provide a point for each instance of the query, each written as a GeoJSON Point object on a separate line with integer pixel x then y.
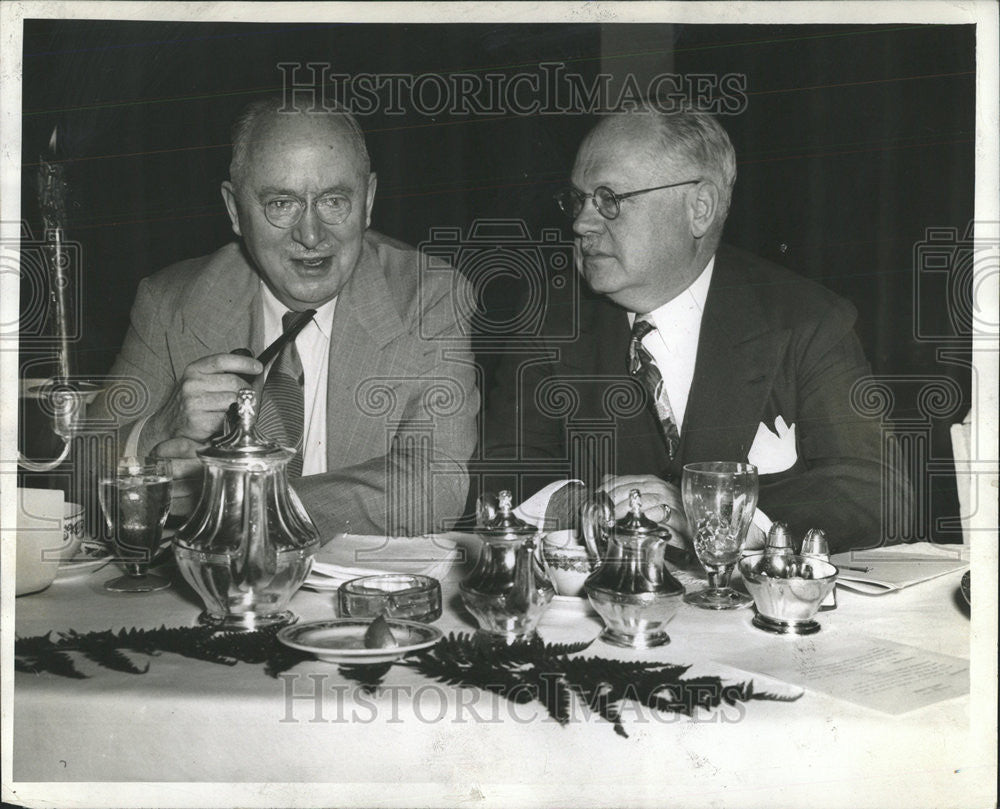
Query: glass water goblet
{"type": "Point", "coordinates": [135, 500]}
{"type": "Point", "coordinates": [720, 498]}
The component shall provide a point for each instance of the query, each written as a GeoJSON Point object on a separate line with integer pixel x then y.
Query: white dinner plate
{"type": "Point", "coordinates": [342, 640]}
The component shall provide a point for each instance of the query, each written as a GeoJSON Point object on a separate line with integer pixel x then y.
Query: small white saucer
{"type": "Point", "coordinates": [94, 555]}
{"type": "Point", "coordinates": [79, 566]}
{"type": "Point", "coordinates": [342, 640]}
{"type": "Point", "coordinates": [571, 605]}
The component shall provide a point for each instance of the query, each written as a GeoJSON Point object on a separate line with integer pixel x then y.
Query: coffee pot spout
{"type": "Point", "coordinates": [530, 582]}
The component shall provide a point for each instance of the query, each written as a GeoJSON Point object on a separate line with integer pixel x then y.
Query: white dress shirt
{"type": "Point", "coordinates": [313, 344]}
{"type": "Point", "coordinates": [674, 342]}
{"type": "Point", "coordinates": [674, 346]}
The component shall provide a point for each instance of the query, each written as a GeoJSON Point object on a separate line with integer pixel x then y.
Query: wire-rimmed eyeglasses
{"type": "Point", "coordinates": [608, 203]}
{"type": "Point", "coordinates": [286, 210]}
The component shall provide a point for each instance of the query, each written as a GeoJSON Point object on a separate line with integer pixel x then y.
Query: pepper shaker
{"type": "Point", "coordinates": [816, 546]}
{"type": "Point", "coordinates": [778, 551]}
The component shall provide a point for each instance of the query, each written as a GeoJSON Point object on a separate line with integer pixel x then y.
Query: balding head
{"type": "Point", "coordinates": [261, 119]}
{"type": "Point", "coordinates": [692, 142]}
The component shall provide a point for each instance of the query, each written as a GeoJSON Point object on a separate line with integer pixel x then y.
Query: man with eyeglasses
{"type": "Point", "coordinates": [376, 392]}
{"type": "Point", "coordinates": [689, 351]}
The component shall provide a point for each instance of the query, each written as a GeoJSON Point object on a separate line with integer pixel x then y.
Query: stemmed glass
{"type": "Point", "coordinates": [720, 498]}
{"type": "Point", "coordinates": [136, 503]}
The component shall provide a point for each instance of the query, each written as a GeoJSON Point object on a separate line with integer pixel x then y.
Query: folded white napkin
{"type": "Point", "coordinates": [534, 509]}
{"type": "Point", "coordinates": [962, 448]}
{"type": "Point", "coordinates": [337, 561]}
{"type": "Point", "coordinates": [773, 450]}
{"type": "Point", "coordinates": [883, 570]}
{"type": "Point", "coordinates": [325, 576]}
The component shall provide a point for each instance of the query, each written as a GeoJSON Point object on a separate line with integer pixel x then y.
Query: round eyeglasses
{"type": "Point", "coordinates": [607, 202]}
{"type": "Point", "coordinates": [286, 211]}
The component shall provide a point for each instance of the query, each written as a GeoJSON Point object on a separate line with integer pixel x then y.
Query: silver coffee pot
{"type": "Point", "coordinates": [249, 544]}
{"type": "Point", "coordinates": [631, 589]}
{"type": "Point", "coordinates": [508, 590]}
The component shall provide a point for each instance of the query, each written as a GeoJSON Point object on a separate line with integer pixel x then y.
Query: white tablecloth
{"type": "Point", "coordinates": [186, 723]}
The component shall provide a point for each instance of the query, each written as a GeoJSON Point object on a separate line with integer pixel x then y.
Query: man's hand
{"type": "Point", "coordinates": [756, 538]}
{"type": "Point", "coordinates": [657, 497]}
{"type": "Point", "coordinates": [200, 399]}
{"type": "Point", "coordinates": [187, 472]}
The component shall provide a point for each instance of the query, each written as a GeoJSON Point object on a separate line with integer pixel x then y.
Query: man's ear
{"type": "Point", "coordinates": [229, 197]}
{"type": "Point", "coordinates": [372, 185]}
{"type": "Point", "coordinates": [703, 208]}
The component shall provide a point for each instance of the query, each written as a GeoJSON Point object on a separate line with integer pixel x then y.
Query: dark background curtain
{"type": "Point", "coordinates": [854, 142]}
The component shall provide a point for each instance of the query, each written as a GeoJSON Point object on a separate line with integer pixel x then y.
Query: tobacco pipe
{"type": "Point", "coordinates": [274, 349]}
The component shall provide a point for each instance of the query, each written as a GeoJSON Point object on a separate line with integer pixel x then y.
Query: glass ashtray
{"type": "Point", "coordinates": [394, 595]}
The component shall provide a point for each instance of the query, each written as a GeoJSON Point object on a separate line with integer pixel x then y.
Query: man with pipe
{"type": "Point", "coordinates": [387, 392]}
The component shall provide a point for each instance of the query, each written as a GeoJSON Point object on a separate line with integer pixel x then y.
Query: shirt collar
{"type": "Point", "coordinates": [275, 309]}
{"type": "Point", "coordinates": [687, 306]}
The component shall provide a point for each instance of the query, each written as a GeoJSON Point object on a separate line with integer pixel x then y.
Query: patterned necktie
{"type": "Point", "coordinates": [642, 366]}
{"type": "Point", "coordinates": [282, 403]}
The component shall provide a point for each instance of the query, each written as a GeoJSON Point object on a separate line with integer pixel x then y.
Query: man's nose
{"type": "Point", "coordinates": [588, 220]}
{"type": "Point", "coordinates": [309, 231]}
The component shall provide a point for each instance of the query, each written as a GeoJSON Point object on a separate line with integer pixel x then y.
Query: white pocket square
{"type": "Point", "coordinates": [773, 450]}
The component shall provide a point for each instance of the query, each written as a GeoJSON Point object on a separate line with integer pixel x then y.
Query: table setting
{"type": "Point", "coordinates": [501, 660]}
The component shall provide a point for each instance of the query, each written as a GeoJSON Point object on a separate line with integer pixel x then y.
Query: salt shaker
{"type": "Point", "coordinates": [778, 551]}
{"type": "Point", "coordinates": [816, 546]}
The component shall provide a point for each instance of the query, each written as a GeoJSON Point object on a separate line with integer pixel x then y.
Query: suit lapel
{"type": "Point", "coordinates": [599, 359]}
{"type": "Point", "coordinates": [365, 322]}
{"type": "Point", "coordinates": [211, 320]}
{"type": "Point", "coordinates": [738, 355]}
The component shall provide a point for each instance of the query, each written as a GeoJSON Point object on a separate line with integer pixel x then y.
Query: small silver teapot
{"type": "Point", "coordinates": [631, 589]}
{"type": "Point", "coordinates": [249, 544]}
{"type": "Point", "coordinates": [508, 590]}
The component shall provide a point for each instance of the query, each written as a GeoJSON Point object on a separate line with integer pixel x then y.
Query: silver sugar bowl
{"type": "Point", "coordinates": [249, 544]}
{"type": "Point", "coordinates": [631, 589]}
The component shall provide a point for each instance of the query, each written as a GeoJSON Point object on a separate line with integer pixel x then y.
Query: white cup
{"type": "Point", "coordinates": [567, 562]}
{"type": "Point", "coordinates": [74, 527]}
{"type": "Point", "coordinates": [39, 538]}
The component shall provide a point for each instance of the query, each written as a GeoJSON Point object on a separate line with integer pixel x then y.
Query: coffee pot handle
{"type": "Point", "coordinates": [543, 563]}
{"type": "Point", "coordinates": [487, 508]}
{"type": "Point", "coordinates": [597, 517]}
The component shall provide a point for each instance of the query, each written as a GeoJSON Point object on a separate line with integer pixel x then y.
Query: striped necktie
{"type": "Point", "coordinates": [282, 403]}
{"type": "Point", "coordinates": [642, 366]}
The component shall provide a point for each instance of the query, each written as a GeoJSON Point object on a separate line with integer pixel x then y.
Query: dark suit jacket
{"type": "Point", "coordinates": [401, 401]}
{"type": "Point", "coordinates": [771, 343]}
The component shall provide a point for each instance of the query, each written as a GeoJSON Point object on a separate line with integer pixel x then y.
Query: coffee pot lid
{"type": "Point", "coordinates": [245, 440]}
{"type": "Point", "coordinates": [635, 522]}
{"type": "Point", "coordinates": [495, 516]}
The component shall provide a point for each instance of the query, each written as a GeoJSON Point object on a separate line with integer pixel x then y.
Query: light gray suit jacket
{"type": "Point", "coordinates": [401, 401]}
